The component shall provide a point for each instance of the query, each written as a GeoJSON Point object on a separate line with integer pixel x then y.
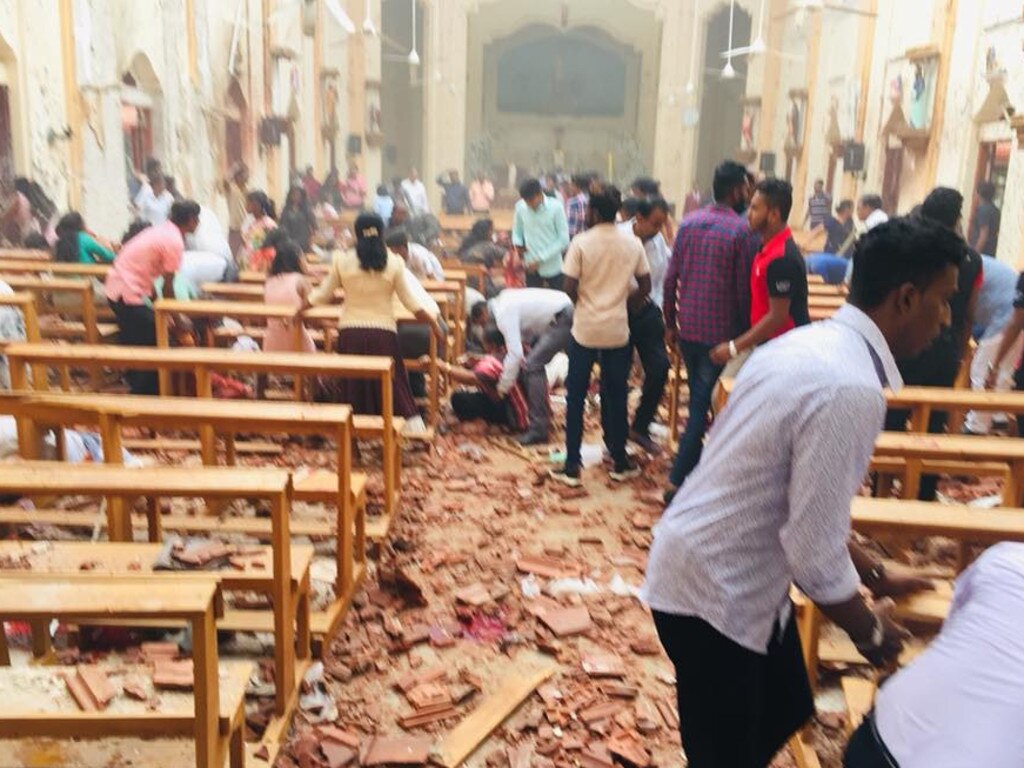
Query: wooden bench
{"type": "Point", "coordinates": [37, 601]}
{"type": "Point", "coordinates": [118, 485]}
{"type": "Point", "coordinates": [817, 301]}
{"type": "Point", "coordinates": [29, 254]}
{"type": "Point", "coordinates": [325, 317]}
{"type": "Point", "coordinates": [201, 362]}
{"type": "Point", "coordinates": [110, 414]}
{"type": "Point", "coordinates": [57, 268]}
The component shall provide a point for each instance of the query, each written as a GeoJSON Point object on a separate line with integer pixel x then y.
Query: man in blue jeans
{"type": "Point", "coordinates": [599, 269]}
{"type": "Point", "coordinates": [707, 299]}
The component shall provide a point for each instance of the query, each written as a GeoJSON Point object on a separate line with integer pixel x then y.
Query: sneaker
{"type": "Point", "coordinates": [645, 442]}
{"type": "Point", "coordinates": [624, 471]}
{"type": "Point", "coordinates": [567, 475]}
{"type": "Point", "coordinates": [532, 438]}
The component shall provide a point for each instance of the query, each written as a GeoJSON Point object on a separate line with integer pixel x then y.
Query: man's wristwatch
{"type": "Point", "coordinates": [875, 576]}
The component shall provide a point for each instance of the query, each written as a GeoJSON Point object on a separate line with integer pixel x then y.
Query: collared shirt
{"type": "Point", "coordinates": [154, 252]}
{"type": "Point", "coordinates": [707, 286]}
{"type": "Point", "coordinates": [769, 503]}
{"type": "Point", "coordinates": [819, 207]}
{"type": "Point", "coordinates": [996, 298]}
{"type": "Point", "coordinates": [416, 196]}
{"type": "Point", "coordinates": [779, 272]}
{"type": "Point", "coordinates": [544, 233]}
{"type": "Point", "coordinates": [960, 702]}
{"type": "Point", "coordinates": [576, 214]}
{"type": "Point", "coordinates": [481, 195]}
{"type": "Point", "coordinates": [384, 206]}
{"type": "Point", "coordinates": [423, 263]}
{"type": "Point", "coordinates": [152, 207]}
{"type": "Point", "coordinates": [605, 261]}
{"type": "Point", "coordinates": [658, 256]}
{"type": "Point", "coordinates": [456, 197]}
{"type": "Point", "coordinates": [876, 217]}
{"type": "Point", "coordinates": [522, 315]}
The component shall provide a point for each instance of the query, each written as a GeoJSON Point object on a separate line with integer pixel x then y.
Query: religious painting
{"type": "Point", "coordinates": [912, 93]}
{"type": "Point", "coordinates": [562, 74]}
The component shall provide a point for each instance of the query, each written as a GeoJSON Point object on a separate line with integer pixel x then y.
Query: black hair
{"type": "Point", "coordinates": [645, 207]}
{"type": "Point", "coordinates": [944, 205]}
{"type": "Point", "coordinates": [900, 251]}
{"type": "Point", "coordinates": [844, 205]}
{"type": "Point", "coordinates": [396, 237]}
{"type": "Point", "coordinates": [728, 176]}
{"type": "Point", "coordinates": [264, 202]}
{"type": "Point", "coordinates": [370, 248]}
{"type": "Point", "coordinates": [287, 258]}
{"type": "Point", "coordinates": [133, 229]}
{"type": "Point", "coordinates": [480, 232]}
{"type": "Point", "coordinates": [182, 211]}
{"type": "Point", "coordinates": [275, 237]}
{"type": "Point", "coordinates": [580, 180]}
{"type": "Point", "coordinates": [477, 311]}
{"type": "Point", "coordinates": [779, 194]}
{"type": "Point", "coordinates": [153, 166]}
{"type": "Point", "coordinates": [493, 337]}
{"type": "Point", "coordinates": [35, 241]}
{"type": "Point", "coordinates": [646, 186]}
{"type": "Point", "coordinates": [42, 206]}
{"type": "Point", "coordinates": [606, 204]}
{"type": "Point", "coordinates": [874, 202]}
{"type": "Point", "coordinates": [382, 190]}
{"type": "Point", "coordinates": [529, 189]}
{"type": "Point", "coordinates": [67, 230]}
{"type": "Point", "coordinates": [987, 191]}
{"type": "Point", "coordinates": [629, 207]}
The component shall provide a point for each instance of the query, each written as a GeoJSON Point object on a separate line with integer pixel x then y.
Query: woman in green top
{"type": "Point", "coordinates": [76, 245]}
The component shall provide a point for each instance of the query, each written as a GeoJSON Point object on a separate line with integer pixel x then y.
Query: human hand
{"type": "Point", "coordinates": [898, 584]}
{"type": "Point", "coordinates": [531, 268]}
{"type": "Point", "coordinates": [720, 354]}
{"type": "Point", "coordinates": [990, 378]}
{"type": "Point", "coordinates": [893, 636]}
{"type": "Point", "coordinates": [438, 334]}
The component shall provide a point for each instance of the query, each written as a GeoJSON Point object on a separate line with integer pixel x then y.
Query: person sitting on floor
{"type": "Point", "coordinates": [487, 402]}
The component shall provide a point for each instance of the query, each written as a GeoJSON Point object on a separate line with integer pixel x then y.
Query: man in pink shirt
{"type": "Point", "coordinates": [154, 252]}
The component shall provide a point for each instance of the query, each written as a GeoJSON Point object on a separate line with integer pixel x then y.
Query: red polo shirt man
{"type": "Point", "coordinates": [778, 280]}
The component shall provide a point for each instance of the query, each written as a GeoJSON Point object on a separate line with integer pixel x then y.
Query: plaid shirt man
{"type": "Point", "coordinates": [707, 287]}
{"type": "Point", "coordinates": [576, 214]}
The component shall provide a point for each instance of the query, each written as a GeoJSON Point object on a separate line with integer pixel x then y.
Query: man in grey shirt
{"type": "Point", "coordinates": [769, 505]}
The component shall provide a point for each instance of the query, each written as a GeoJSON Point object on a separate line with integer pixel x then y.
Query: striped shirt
{"type": "Point", "coordinates": [707, 286]}
{"type": "Point", "coordinates": [818, 209]}
{"type": "Point", "coordinates": [769, 503]}
{"type": "Point", "coordinates": [576, 214]}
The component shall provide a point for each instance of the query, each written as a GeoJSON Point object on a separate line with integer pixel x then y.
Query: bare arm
{"type": "Point", "coordinates": [1010, 334]}
{"type": "Point", "coordinates": [572, 288]}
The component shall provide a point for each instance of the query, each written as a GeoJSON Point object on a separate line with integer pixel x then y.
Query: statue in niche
{"type": "Point", "coordinates": [374, 122]}
{"type": "Point", "coordinates": [747, 129]}
{"type": "Point", "coordinates": [918, 100]}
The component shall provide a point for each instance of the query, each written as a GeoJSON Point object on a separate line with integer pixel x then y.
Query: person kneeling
{"type": "Point", "coordinates": [486, 402]}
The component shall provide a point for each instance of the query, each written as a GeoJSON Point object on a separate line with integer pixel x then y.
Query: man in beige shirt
{"type": "Point", "coordinates": [599, 269]}
{"type": "Point", "coordinates": [237, 189]}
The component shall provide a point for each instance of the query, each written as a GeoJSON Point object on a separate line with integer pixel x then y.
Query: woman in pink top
{"type": "Point", "coordinates": [286, 285]}
{"type": "Point", "coordinates": [261, 220]}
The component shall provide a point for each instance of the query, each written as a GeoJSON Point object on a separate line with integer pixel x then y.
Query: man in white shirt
{"type": "Point", "coordinates": [153, 201]}
{"type": "Point", "coordinates": [542, 319]}
{"type": "Point", "coordinates": [415, 194]}
{"type": "Point", "coordinates": [960, 702]}
{"type": "Point", "coordinates": [769, 505]}
{"type": "Point", "coordinates": [871, 214]}
{"type": "Point", "coordinates": [419, 259]}
{"type": "Point", "coordinates": [646, 322]}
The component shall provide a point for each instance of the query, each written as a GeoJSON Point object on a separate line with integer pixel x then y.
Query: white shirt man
{"type": "Point", "coordinates": [416, 196]}
{"type": "Point", "coordinates": [424, 264]}
{"type": "Point", "coordinates": [152, 207]}
{"type": "Point", "coordinates": [658, 257]}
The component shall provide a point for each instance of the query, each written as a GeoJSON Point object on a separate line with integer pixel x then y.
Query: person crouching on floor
{"type": "Point", "coordinates": [486, 402]}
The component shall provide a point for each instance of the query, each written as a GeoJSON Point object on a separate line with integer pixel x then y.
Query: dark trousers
{"type": "Point", "coordinates": [414, 343]}
{"type": "Point", "coordinates": [533, 280]}
{"type": "Point", "coordinates": [553, 340]}
{"type": "Point", "coordinates": [470, 406]}
{"type": "Point", "coordinates": [737, 708]}
{"type": "Point", "coordinates": [938, 367]}
{"type": "Point", "coordinates": [647, 337]}
{"type": "Point", "coordinates": [702, 375]}
{"type": "Point", "coordinates": [866, 748]}
{"type": "Point", "coordinates": [614, 418]}
{"type": "Point", "coordinates": [136, 327]}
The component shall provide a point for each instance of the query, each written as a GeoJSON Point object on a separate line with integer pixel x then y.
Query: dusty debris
{"type": "Point", "coordinates": [174, 675]}
{"type": "Point", "coordinates": [397, 750]}
{"type": "Point", "coordinates": [567, 621]}
{"type": "Point", "coordinates": [90, 688]}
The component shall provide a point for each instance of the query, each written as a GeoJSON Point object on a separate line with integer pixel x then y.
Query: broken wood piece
{"type": "Point", "coordinates": [468, 735]}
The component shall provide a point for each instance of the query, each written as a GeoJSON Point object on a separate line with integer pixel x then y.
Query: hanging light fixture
{"type": "Point", "coordinates": [759, 46]}
{"type": "Point", "coordinates": [414, 57]}
{"type": "Point", "coordinates": [728, 72]}
{"type": "Point", "coordinates": [368, 28]}
{"type": "Point", "coordinates": [693, 46]}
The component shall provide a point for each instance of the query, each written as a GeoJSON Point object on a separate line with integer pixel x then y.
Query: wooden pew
{"type": "Point", "coordinates": [26, 254]}
{"type": "Point", "coordinates": [326, 317]}
{"type": "Point", "coordinates": [39, 600]}
{"type": "Point", "coordinates": [825, 302]}
{"type": "Point", "coordinates": [57, 268]}
{"type": "Point", "coordinates": [82, 305]}
{"type": "Point", "coordinates": [201, 362]}
{"type": "Point", "coordinates": [212, 418]}
{"type": "Point", "coordinates": [119, 485]}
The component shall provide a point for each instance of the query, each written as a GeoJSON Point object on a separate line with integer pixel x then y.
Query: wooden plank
{"type": "Point", "coordinates": [860, 698]}
{"type": "Point", "coordinates": [467, 736]}
{"type": "Point", "coordinates": [920, 518]}
{"type": "Point", "coordinates": [22, 599]}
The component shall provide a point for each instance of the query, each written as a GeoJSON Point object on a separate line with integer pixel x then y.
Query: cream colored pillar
{"type": "Point", "coordinates": [445, 32]}
{"type": "Point", "coordinates": [674, 143]}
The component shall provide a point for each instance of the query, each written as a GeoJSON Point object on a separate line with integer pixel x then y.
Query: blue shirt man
{"type": "Point", "coordinates": [541, 233]}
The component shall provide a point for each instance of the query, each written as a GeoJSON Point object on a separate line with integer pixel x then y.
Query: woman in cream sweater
{"type": "Point", "coordinates": [372, 279]}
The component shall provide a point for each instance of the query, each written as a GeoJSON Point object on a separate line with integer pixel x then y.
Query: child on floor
{"type": "Point", "coordinates": [486, 403]}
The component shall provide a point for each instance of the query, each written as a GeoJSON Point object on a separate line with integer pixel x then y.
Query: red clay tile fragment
{"type": "Point", "coordinates": [99, 686]}
{"type": "Point", "coordinates": [338, 755]}
{"type": "Point", "coordinates": [630, 748]}
{"type": "Point", "coordinates": [400, 750]}
{"type": "Point", "coordinates": [603, 665]}
{"type": "Point", "coordinates": [567, 621]}
{"type": "Point", "coordinates": [336, 735]}
{"type": "Point", "coordinates": [176, 675]}
{"type": "Point", "coordinates": [475, 594]}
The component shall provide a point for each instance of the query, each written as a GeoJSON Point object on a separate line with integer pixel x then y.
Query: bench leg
{"type": "Point", "coordinates": [5, 654]}
{"type": "Point", "coordinates": [284, 615]}
{"type": "Point", "coordinates": [40, 637]}
{"type": "Point", "coordinates": [207, 690]}
{"type": "Point", "coordinates": [303, 630]}
{"type": "Point", "coordinates": [230, 449]}
{"type": "Point", "coordinates": [912, 484]}
{"type": "Point", "coordinates": [153, 522]}
{"type": "Point", "coordinates": [119, 522]}
{"type": "Point", "coordinates": [236, 757]}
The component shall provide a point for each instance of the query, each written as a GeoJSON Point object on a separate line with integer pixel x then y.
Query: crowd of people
{"type": "Point", "coordinates": [756, 502]}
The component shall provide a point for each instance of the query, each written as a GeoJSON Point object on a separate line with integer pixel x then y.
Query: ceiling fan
{"type": "Point", "coordinates": [806, 6]}
{"type": "Point", "coordinates": [334, 8]}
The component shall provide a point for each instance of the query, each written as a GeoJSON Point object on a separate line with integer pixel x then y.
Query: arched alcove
{"type": "Point", "coordinates": [141, 114]}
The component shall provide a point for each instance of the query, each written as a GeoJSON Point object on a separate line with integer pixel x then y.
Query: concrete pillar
{"type": "Point", "coordinates": [674, 143]}
{"type": "Point", "coordinates": [445, 50]}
